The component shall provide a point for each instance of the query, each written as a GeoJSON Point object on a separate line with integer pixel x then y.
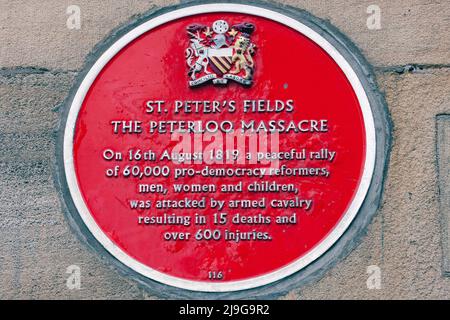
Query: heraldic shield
{"type": "Point", "coordinates": [219, 54]}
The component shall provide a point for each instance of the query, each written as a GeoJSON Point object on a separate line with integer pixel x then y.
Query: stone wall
{"type": "Point", "coordinates": [39, 59]}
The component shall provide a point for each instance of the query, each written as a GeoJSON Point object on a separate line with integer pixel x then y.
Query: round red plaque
{"type": "Point", "coordinates": [219, 147]}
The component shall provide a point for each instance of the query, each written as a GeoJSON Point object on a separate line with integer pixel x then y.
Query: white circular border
{"type": "Point", "coordinates": [258, 281]}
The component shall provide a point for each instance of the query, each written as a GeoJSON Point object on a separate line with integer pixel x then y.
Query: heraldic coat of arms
{"type": "Point", "coordinates": [219, 54]}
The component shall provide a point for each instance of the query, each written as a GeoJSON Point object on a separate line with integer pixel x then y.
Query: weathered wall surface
{"type": "Point", "coordinates": [39, 59]}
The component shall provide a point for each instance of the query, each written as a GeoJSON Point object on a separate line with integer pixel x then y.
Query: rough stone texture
{"type": "Point", "coordinates": [38, 30]}
{"type": "Point", "coordinates": [443, 160]}
{"type": "Point", "coordinates": [404, 239]}
{"type": "Point", "coordinates": [37, 243]}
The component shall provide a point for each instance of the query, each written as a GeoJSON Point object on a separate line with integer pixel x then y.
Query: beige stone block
{"type": "Point", "coordinates": [34, 33]}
